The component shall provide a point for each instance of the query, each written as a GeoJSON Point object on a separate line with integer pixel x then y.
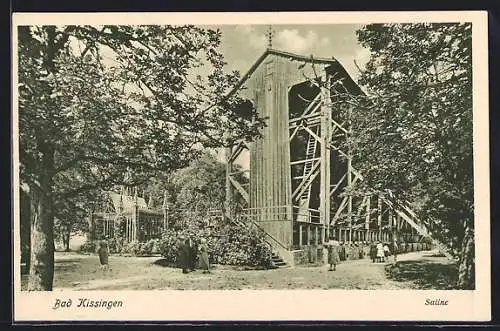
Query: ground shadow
{"type": "Point", "coordinates": [167, 264]}
{"type": "Point", "coordinates": [66, 265]}
{"type": "Point", "coordinates": [164, 263]}
{"type": "Point", "coordinates": [424, 274]}
{"type": "Point", "coordinates": [434, 255]}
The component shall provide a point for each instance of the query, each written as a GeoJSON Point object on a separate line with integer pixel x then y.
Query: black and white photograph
{"type": "Point", "coordinates": [246, 155]}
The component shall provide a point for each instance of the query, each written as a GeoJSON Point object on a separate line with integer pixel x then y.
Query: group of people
{"type": "Point", "coordinates": [380, 252]}
{"type": "Point", "coordinates": [187, 254]}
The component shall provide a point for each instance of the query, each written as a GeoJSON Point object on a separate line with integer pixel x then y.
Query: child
{"type": "Point", "coordinates": [103, 255]}
{"type": "Point", "coordinates": [380, 252]}
{"type": "Point", "coordinates": [387, 252]}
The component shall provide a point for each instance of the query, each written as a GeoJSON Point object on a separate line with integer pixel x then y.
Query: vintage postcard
{"type": "Point", "coordinates": [251, 166]}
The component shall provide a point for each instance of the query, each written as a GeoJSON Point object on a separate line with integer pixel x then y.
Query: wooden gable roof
{"type": "Point", "coordinates": [332, 66]}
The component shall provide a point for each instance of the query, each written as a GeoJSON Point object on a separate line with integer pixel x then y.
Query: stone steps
{"type": "Point", "coordinates": [278, 261]}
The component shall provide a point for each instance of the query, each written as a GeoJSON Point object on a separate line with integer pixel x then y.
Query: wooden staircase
{"type": "Point", "coordinates": [278, 261]}
{"type": "Point", "coordinates": [312, 145]}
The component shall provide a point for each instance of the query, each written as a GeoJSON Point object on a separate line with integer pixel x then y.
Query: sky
{"type": "Point", "coordinates": [242, 45]}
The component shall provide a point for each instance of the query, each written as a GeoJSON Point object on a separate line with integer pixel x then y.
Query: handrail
{"type": "Point", "coordinates": [265, 207]}
{"type": "Point", "coordinates": [261, 229]}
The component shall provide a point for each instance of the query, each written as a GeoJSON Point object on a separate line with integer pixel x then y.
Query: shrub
{"type": "Point", "coordinates": [88, 247]}
{"type": "Point", "coordinates": [140, 248]}
{"type": "Point", "coordinates": [115, 245]}
{"type": "Point", "coordinates": [130, 248]}
{"type": "Point", "coordinates": [146, 248]}
{"type": "Point", "coordinates": [228, 244]}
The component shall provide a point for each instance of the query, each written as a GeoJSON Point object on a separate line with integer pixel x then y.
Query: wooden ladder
{"type": "Point", "coordinates": [304, 198]}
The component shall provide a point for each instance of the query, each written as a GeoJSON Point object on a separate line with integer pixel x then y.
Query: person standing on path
{"type": "Point", "coordinates": [183, 253]}
{"type": "Point", "coordinates": [103, 255]}
{"type": "Point", "coordinates": [373, 252]}
{"type": "Point", "coordinates": [395, 250]}
{"type": "Point", "coordinates": [387, 252]}
{"type": "Point", "coordinates": [192, 254]}
{"type": "Point", "coordinates": [380, 252]}
{"type": "Point", "coordinates": [333, 247]}
{"type": "Point", "coordinates": [204, 263]}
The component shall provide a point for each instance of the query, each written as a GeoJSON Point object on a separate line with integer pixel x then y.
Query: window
{"type": "Point", "coordinates": [269, 67]}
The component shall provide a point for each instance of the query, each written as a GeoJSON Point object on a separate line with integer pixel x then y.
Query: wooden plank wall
{"type": "Point", "coordinates": [270, 184]}
{"type": "Point", "coordinates": [270, 171]}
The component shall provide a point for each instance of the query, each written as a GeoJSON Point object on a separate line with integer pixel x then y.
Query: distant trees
{"type": "Point", "coordinates": [200, 186]}
{"type": "Point", "coordinates": [109, 105]}
{"type": "Point", "coordinates": [415, 137]}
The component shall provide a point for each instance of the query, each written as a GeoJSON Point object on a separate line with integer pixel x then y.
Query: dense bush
{"type": "Point", "coordinates": [88, 247]}
{"type": "Point", "coordinates": [117, 246]}
{"type": "Point", "coordinates": [229, 244]}
{"type": "Point", "coordinates": [140, 248]}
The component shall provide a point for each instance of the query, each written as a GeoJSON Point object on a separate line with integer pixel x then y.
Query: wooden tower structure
{"type": "Point", "coordinates": [301, 170]}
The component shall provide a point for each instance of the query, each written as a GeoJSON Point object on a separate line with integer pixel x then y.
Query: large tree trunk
{"type": "Point", "coordinates": [466, 272]}
{"type": "Point", "coordinates": [25, 229]}
{"type": "Point", "coordinates": [42, 227]}
{"type": "Point", "coordinates": [91, 222]}
{"type": "Point", "coordinates": [42, 242]}
{"type": "Point", "coordinates": [66, 236]}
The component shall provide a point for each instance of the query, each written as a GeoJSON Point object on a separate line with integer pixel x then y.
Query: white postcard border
{"type": "Point", "coordinates": [356, 305]}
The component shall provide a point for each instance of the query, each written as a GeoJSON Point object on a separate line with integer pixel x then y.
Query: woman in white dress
{"type": "Point", "coordinates": [380, 252]}
{"type": "Point", "coordinates": [387, 252]}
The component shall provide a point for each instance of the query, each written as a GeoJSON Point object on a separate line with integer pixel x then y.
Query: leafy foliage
{"type": "Point", "coordinates": [139, 248]}
{"type": "Point", "coordinates": [116, 246]}
{"type": "Point", "coordinates": [108, 105]}
{"type": "Point", "coordinates": [114, 99]}
{"type": "Point", "coordinates": [413, 133]}
{"type": "Point", "coordinates": [88, 247]}
{"type": "Point", "coordinates": [227, 244]}
{"type": "Point", "coordinates": [196, 188]}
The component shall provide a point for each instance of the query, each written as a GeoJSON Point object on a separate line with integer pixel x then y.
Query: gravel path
{"type": "Point", "coordinates": [82, 272]}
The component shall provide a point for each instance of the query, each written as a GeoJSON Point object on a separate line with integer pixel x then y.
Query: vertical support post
{"type": "Point", "coordinates": [391, 225]}
{"type": "Point", "coordinates": [324, 198]}
{"type": "Point", "coordinates": [367, 217]}
{"type": "Point", "coordinates": [300, 235]}
{"type": "Point", "coordinates": [316, 235]}
{"type": "Point", "coordinates": [91, 234]}
{"type": "Point", "coordinates": [229, 191]}
{"type": "Point", "coordinates": [136, 216]}
{"type": "Point", "coordinates": [165, 211]}
{"type": "Point", "coordinates": [398, 227]}
{"type": "Point", "coordinates": [349, 171]}
{"type": "Point", "coordinates": [379, 217]}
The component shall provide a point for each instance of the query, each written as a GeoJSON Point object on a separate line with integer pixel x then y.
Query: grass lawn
{"type": "Point", "coordinates": [413, 271]}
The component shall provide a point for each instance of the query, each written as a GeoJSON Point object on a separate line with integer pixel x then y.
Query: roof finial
{"type": "Point", "coordinates": [270, 35]}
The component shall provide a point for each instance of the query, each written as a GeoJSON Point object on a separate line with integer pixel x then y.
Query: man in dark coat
{"type": "Point", "coordinates": [192, 254]}
{"type": "Point", "coordinates": [373, 252]}
{"type": "Point", "coordinates": [183, 254]}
